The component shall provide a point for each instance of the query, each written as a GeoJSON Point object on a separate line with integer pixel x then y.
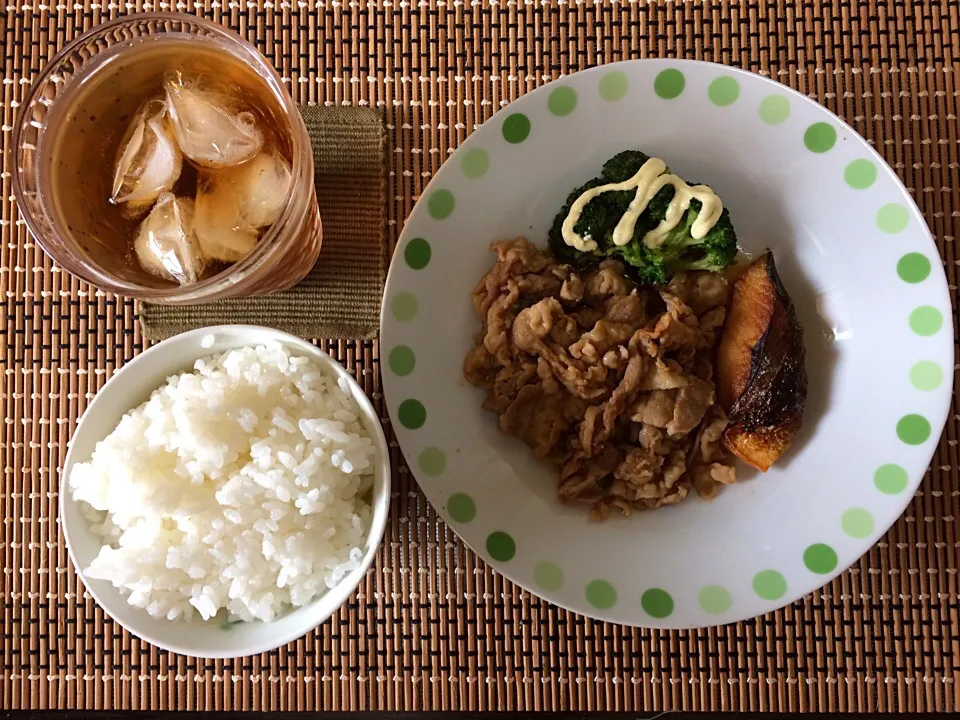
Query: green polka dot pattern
{"type": "Point", "coordinates": [548, 576]}
{"type": "Point", "coordinates": [769, 584]}
{"type": "Point", "coordinates": [926, 320]}
{"type": "Point", "coordinates": [913, 429]}
{"type": "Point", "coordinates": [402, 361]}
{"type": "Point", "coordinates": [892, 218]}
{"type": "Point", "coordinates": [723, 91]}
{"type": "Point", "coordinates": [476, 162]}
{"type": "Point", "coordinates": [890, 479]}
{"type": "Point", "coordinates": [820, 137]}
{"type": "Point", "coordinates": [714, 599]}
{"type": "Point", "coordinates": [440, 204]}
{"type": "Point", "coordinates": [669, 84]}
{"type": "Point", "coordinates": [613, 86]}
{"type": "Point", "coordinates": [601, 594]}
{"type": "Point", "coordinates": [417, 253]}
{"type": "Point", "coordinates": [860, 174]}
{"type": "Point", "coordinates": [461, 507]}
{"type": "Point", "coordinates": [562, 101]}
{"type": "Point", "coordinates": [820, 558]}
{"type": "Point", "coordinates": [913, 268]}
{"type": "Point", "coordinates": [432, 461]}
{"type": "Point", "coordinates": [774, 109]}
{"type": "Point", "coordinates": [412, 414]}
{"type": "Point", "coordinates": [516, 128]}
{"type": "Point", "coordinates": [926, 375]}
{"type": "Point", "coordinates": [857, 523]}
{"type": "Point", "coordinates": [501, 546]}
{"type": "Point", "coordinates": [657, 603]}
{"type": "Point", "coordinates": [404, 307]}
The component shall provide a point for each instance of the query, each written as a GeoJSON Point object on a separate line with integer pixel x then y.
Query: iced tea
{"type": "Point", "coordinates": [170, 165]}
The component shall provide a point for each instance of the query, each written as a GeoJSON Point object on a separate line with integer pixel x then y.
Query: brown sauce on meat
{"type": "Point", "coordinates": [611, 383]}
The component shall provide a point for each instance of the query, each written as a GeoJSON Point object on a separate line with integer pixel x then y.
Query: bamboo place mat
{"type": "Point", "coordinates": [431, 626]}
{"type": "Point", "coordinates": [340, 298]}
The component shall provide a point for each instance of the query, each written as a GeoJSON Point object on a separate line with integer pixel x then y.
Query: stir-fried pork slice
{"type": "Point", "coordinates": [480, 368]}
{"type": "Point", "coordinates": [514, 257]}
{"type": "Point", "coordinates": [609, 382]}
{"type": "Point", "coordinates": [700, 291]}
{"type": "Point", "coordinates": [536, 417]}
{"type": "Point", "coordinates": [605, 283]}
{"type": "Point", "coordinates": [693, 400]}
{"type": "Point", "coordinates": [499, 320]}
{"type": "Point", "coordinates": [508, 382]}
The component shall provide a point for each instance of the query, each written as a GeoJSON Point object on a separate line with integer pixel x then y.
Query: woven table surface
{"type": "Point", "coordinates": [431, 626]}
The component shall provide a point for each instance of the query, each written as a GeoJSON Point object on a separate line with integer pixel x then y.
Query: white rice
{"type": "Point", "coordinates": [240, 487]}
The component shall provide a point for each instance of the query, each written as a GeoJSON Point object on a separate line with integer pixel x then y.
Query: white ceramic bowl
{"type": "Point", "coordinates": [127, 389]}
{"type": "Point", "coordinates": [853, 251]}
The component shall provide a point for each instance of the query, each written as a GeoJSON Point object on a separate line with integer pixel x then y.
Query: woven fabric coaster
{"type": "Point", "coordinates": [340, 298]}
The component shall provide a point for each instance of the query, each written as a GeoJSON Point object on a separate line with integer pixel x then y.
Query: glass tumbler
{"type": "Point", "coordinates": [283, 255]}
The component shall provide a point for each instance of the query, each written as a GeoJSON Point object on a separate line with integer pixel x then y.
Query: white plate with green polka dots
{"type": "Point", "coordinates": [852, 250]}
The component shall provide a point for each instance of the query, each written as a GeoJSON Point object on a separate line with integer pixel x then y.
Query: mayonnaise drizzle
{"type": "Point", "coordinates": [650, 179]}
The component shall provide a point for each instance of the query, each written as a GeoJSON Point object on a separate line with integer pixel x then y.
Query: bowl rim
{"type": "Point", "coordinates": [389, 333]}
{"type": "Point", "coordinates": [380, 503]}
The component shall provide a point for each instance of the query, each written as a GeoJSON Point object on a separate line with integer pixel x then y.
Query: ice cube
{"type": "Point", "coordinates": [218, 233]}
{"type": "Point", "coordinates": [209, 126]}
{"type": "Point", "coordinates": [166, 245]}
{"type": "Point", "coordinates": [234, 203]}
{"type": "Point", "coordinates": [265, 184]}
{"type": "Point", "coordinates": [149, 161]}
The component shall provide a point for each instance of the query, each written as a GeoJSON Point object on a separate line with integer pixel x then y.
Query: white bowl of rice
{"type": "Point", "coordinates": [226, 491]}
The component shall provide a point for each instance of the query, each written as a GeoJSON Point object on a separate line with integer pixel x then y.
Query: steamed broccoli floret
{"type": "Point", "coordinates": [594, 216]}
{"type": "Point", "coordinates": [646, 266]}
{"type": "Point", "coordinates": [597, 222]}
{"type": "Point", "coordinates": [653, 266]}
{"type": "Point", "coordinates": [713, 252]}
{"type": "Point", "coordinates": [624, 165]}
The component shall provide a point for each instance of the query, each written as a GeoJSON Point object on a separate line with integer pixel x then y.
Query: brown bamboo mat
{"type": "Point", "coordinates": [431, 626]}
